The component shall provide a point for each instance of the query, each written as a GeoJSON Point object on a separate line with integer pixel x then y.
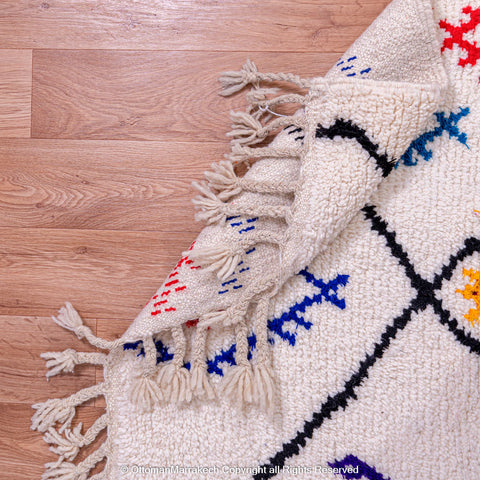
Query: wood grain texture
{"type": "Point", "coordinates": [22, 371]}
{"type": "Point", "coordinates": [192, 25]}
{"type": "Point", "coordinates": [15, 93]}
{"type": "Point", "coordinates": [114, 185]}
{"type": "Point", "coordinates": [112, 116]}
{"type": "Point", "coordinates": [104, 273]}
{"type": "Point", "coordinates": [168, 96]}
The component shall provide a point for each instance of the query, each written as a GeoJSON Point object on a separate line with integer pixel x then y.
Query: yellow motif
{"type": "Point", "coordinates": [472, 292]}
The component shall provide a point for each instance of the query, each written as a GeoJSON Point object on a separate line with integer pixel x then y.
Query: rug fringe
{"type": "Point", "coordinates": [67, 442]}
{"type": "Point", "coordinates": [69, 319]}
{"type": "Point", "coordinates": [201, 386]}
{"type": "Point", "coordinates": [69, 445]}
{"type": "Point", "coordinates": [244, 383]}
{"type": "Point", "coordinates": [65, 362]}
{"type": "Point", "coordinates": [69, 471]}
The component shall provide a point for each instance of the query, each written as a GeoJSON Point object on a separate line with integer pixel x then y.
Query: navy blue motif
{"type": "Point", "coordinates": [349, 68]}
{"type": "Point", "coordinates": [362, 469]}
{"type": "Point", "coordinates": [418, 148]}
{"type": "Point", "coordinates": [328, 292]}
{"type": "Point", "coordinates": [241, 225]}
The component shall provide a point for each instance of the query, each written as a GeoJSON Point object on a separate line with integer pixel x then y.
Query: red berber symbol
{"type": "Point", "coordinates": [457, 36]}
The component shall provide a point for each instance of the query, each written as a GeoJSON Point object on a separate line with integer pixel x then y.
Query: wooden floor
{"type": "Point", "coordinates": [108, 111]}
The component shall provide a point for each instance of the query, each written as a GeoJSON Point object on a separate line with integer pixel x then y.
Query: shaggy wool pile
{"type": "Point", "coordinates": [324, 324]}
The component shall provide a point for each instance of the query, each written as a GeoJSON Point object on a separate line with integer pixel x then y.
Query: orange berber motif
{"type": "Point", "coordinates": [472, 292]}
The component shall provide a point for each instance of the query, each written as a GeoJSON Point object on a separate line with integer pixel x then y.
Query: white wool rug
{"type": "Point", "coordinates": [325, 323]}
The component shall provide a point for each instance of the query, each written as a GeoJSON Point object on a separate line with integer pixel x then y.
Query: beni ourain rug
{"type": "Point", "coordinates": [325, 322]}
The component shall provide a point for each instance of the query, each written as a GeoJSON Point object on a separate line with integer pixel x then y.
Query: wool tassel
{"type": "Point", "coordinates": [239, 154]}
{"type": "Point", "coordinates": [225, 258]}
{"type": "Point", "coordinates": [174, 378]}
{"type": "Point", "coordinates": [50, 412]}
{"type": "Point", "coordinates": [212, 209]}
{"type": "Point", "coordinates": [220, 258]}
{"type": "Point", "coordinates": [264, 385]}
{"type": "Point", "coordinates": [69, 471]}
{"type": "Point", "coordinates": [234, 81]}
{"type": "Point", "coordinates": [145, 391]}
{"type": "Point", "coordinates": [224, 179]}
{"type": "Point", "coordinates": [242, 154]}
{"type": "Point", "coordinates": [201, 386]}
{"type": "Point", "coordinates": [237, 385]}
{"type": "Point", "coordinates": [67, 446]}
{"type": "Point", "coordinates": [64, 362]}
{"type": "Point", "coordinates": [60, 362]}
{"type": "Point", "coordinates": [62, 409]}
{"type": "Point", "coordinates": [69, 319]}
{"type": "Point", "coordinates": [246, 129]}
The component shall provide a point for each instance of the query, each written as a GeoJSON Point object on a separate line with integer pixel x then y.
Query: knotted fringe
{"type": "Point", "coordinates": [233, 81]}
{"type": "Point", "coordinates": [242, 384]}
{"type": "Point", "coordinates": [201, 386]}
{"type": "Point", "coordinates": [238, 382]}
{"type": "Point", "coordinates": [174, 378]}
{"type": "Point", "coordinates": [64, 362]}
{"type": "Point", "coordinates": [224, 258]}
{"type": "Point", "coordinates": [69, 319]}
{"type": "Point", "coordinates": [213, 210]}
{"type": "Point", "coordinates": [146, 392]}
{"type": "Point", "coordinates": [62, 409]}
{"type": "Point", "coordinates": [249, 128]}
{"type": "Point", "coordinates": [69, 445]}
{"type": "Point", "coordinates": [224, 180]}
{"type": "Point", "coordinates": [69, 471]}
{"type": "Point", "coordinates": [263, 383]}
{"type": "Point", "coordinates": [66, 442]}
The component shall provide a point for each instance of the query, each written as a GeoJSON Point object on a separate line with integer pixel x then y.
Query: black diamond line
{"type": "Point", "coordinates": [347, 129]}
{"type": "Point", "coordinates": [425, 297]}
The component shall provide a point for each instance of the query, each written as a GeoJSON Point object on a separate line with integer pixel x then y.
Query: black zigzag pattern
{"type": "Point", "coordinates": [425, 296]}
{"type": "Point", "coordinates": [347, 129]}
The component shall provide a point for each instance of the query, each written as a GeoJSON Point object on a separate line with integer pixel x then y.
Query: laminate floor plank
{"type": "Point", "coordinates": [114, 185]}
{"type": "Point", "coordinates": [15, 93]}
{"type": "Point", "coordinates": [125, 95]}
{"type": "Point", "coordinates": [192, 25]}
{"type": "Point", "coordinates": [104, 274]}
